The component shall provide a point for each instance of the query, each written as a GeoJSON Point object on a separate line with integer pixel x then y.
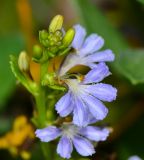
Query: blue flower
{"type": "Point", "coordinates": [72, 135]}
{"type": "Point", "coordinates": [135, 157]}
{"type": "Point", "coordinates": [86, 51]}
{"type": "Point", "coordinates": [84, 97]}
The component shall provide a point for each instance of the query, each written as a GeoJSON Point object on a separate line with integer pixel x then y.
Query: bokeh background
{"type": "Point", "coordinates": [121, 24]}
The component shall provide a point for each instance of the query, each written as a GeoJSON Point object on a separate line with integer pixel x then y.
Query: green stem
{"type": "Point", "coordinates": [46, 149]}
{"type": "Point", "coordinates": [41, 108]}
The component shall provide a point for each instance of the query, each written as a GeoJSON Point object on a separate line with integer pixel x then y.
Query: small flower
{"type": "Point", "coordinates": [83, 98]}
{"type": "Point", "coordinates": [86, 51]}
{"type": "Point", "coordinates": [73, 135]}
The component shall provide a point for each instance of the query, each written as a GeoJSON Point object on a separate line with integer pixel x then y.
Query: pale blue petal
{"type": "Point", "coordinates": [104, 92]}
{"type": "Point", "coordinates": [96, 107]}
{"type": "Point", "coordinates": [102, 56]}
{"type": "Point", "coordinates": [95, 133]}
{"type": "Point", "coordinates": [71, 60]}
{"type": "Point", "coordinates": [64, 106]}
{"type": "Point", "coordinates": [65, 148]}
{"type": "Point", "coordinates": [80, 34]}
{"type": "Point", "coordinates": [48, 134]}
{"type": "Point", "coordinates": [91, 44]}
{"type": "Point", "coordinates": [134, 157]}
{"type": "Point", "coordinates": [97, 74]}
{"type": "Point", "coordinates": [80, 117]}
{"type": "Point", "coordinates": [83, 146]}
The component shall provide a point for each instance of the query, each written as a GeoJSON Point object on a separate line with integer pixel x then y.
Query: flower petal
{"type": "Point", "coordinates": [71, 60]}
{"type": "Point", "coordinates": [104, 92]}
{"type": "Point", "coordinates": [83, 146]}
{"type": "Point", "coordinates": [102, 56]}
{"type": "Point", "coordinates": [96, 107]}
{"type": "Point", "coordinates": [80, 34]}
{"type": "Point", "coordinates": [95, 133]}
{"type": "Point", "coordinates": [65, 148]}
{"type": "Point", "coordinates": [97, 74]}
{"type": "Point", "coordinates": [91, 44]}
{"type": "Point", "coordinates": [48, 134]}
{"type": "Point", "coordinates": [64, 106]}
{"type": "Point", "coordinates": [80, 117]}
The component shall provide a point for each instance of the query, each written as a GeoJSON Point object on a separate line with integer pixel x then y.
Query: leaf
{"type": "Point", "coordinates": [127, 64]}
{"type": "Point", "coordinates": [10, 44]}
{"type": "Point", "coordinates": [131, 64]}
{"type": "Point", "coordinates": [23, 78]}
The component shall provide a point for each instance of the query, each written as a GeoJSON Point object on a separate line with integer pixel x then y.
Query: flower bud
{"type": "Point", "coordinates": [37, 52]}
{"type": "Point", "coordinates": [56, 23]}
{"type": "Point", "coordinates": [43, 35]}
{"type": "Point", "coordinates": [23, 61]}
{"type": "Point", "coordinates": [68, 38]}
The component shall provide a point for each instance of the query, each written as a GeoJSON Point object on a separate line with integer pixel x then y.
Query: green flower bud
{"type": "Point", "coordinates": [23, 61]}
{"type": "Point", "coordinates": [56, 23]}
{"type": "Point", "coordinates": [68, 38]}
{"type": "Point", "coordinates": [37, 52]}
{"type": "Point", "coordinates": [43, 35]}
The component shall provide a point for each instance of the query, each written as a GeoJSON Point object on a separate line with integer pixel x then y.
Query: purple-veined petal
{"type": "Point", "coordinates": [96, 107]}
{"type": "Point", "coordinates": [80, 117]}
{"type": "Point", "coordinates": [95, 133]}
{"type": "Point", "coordinates": [104, 92]}
{"type": "Point", "coordinates": [97, 74]}
{"type": "Point", "coordinates": [64, 106]}
{"type": "Point", "coordinates": [83, 146]}
{"type": "Point", "coordinates": [65, 148]}
{"type": "Point", "coordinates": [48, 134]}
{"type": "Point", "coordinates": [80, 34]}
{"type": "Point", "coordinates": [91, 44]}
{"type": "Point", "coordinates": [102, 56]}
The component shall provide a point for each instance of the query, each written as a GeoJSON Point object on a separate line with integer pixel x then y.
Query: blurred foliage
{"type": "Point", "coordinates": [10, 44]}
{"type": "Point", "coordinates": [142, 1]}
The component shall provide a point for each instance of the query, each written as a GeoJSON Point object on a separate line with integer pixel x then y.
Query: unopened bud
{"type": "Point", "coordinates": [37, 52]}
{"type": "Point", "coordinates": [56, 23]}
{"type": "Point", "coordinates": [43, 35]}
{"type": "Point", "coordinates": [23, 61]}
{"type": "Point", "coordinates": [68, 38]}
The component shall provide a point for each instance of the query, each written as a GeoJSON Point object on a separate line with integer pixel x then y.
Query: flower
{"type": "Point", "coordinates": [71, 134]}
{"type": "Point", "coordinates": [86, 51]}
{"type": "Point", "coordinates": [135, 157]}
{"type": "Point", "coordinates": [84, 97]}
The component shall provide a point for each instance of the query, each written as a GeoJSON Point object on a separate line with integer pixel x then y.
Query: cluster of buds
{"type": "Point", "coordinates": [53, 41]}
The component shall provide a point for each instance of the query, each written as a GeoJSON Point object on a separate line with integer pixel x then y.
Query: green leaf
{"type": "Point", "coordinates": [30, 85]}
{"type": "Point", "coordinates": [10, 44]}
{"type": "Point", "coordinates": [128, 63]}
{"type": "Point", "coordinates": [131, 64]}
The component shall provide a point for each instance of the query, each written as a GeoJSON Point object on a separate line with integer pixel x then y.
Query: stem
{"type": "Point", "coordinates": [46, 149]}
{"type": "Point", "coordinates": [41, 108]}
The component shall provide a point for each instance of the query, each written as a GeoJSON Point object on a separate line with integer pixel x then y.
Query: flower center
{"type": "Point", "coordinates": [69, 130]}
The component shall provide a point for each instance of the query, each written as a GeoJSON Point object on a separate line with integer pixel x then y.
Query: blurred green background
{"type": "Point", "coordinates": [121, 24]}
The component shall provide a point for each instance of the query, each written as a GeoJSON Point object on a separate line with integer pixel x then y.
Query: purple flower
{"type": "Point", "coordinates": [72, 135]}
{"type": "Point", "coordinates": [84, 97]}
{"type": "Point", "coordinates": [135, 157]}
{"type": "Point", "coordinates": [86, 51]}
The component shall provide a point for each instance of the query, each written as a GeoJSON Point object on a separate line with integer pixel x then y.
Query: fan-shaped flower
{"type": "Point", "coordinates": [73, 135]}
{"type": "Point", "coordinates": [86, 51]}
{"type": "Point", "coordinates": [84, 97]}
